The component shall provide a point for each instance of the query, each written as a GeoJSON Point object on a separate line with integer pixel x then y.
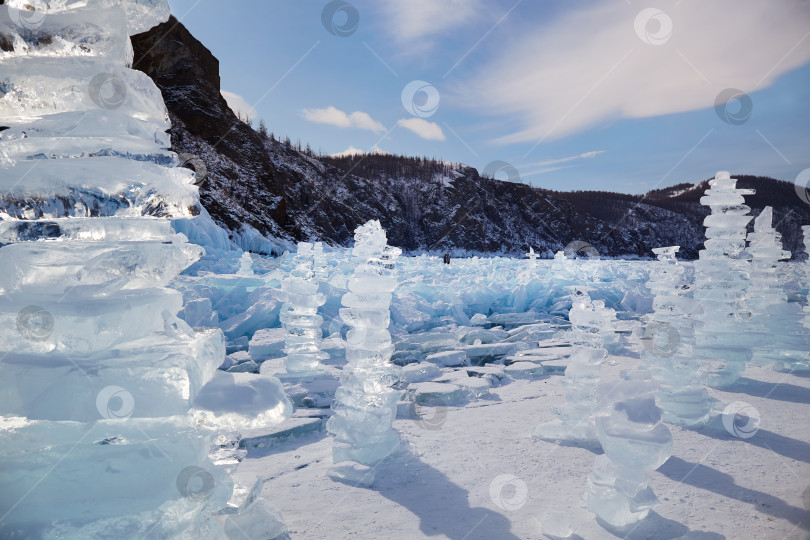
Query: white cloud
{"type": "Point", "coordinates": [352, 151]}
{"type": "Point", "coordinates": [585, 155]}
{"type": "Point", "coordinates": [544, 171]}
{"type": "Point", "coordinates": [335, 117]}
{"type": "Point", "coordinates": [589, 67]}
{"type": "Point", "coordinates": [427, 130]}
{"type": "Point", "coordinates": [417, 20]}
{"type": "Point", "coordinates": [238, 104]}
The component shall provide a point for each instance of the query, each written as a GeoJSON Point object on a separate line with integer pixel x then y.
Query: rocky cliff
{"type": "Point", "coordinates": [253, 181]}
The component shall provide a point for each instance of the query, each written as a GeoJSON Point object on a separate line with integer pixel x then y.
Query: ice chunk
{"type": "Point", "coordinates": [258, 520]}
{"type": "Point", "coordinates": [634, 440]}
{"type": "Point", "coordinates": [524, 370]}
{"type": "Point", "coordinates": [434, 393]}
{"type": "Point", "coordinates": [234, 400]}
{"type": "Point", "coordinates": [267, 343]}
{"type": "Point", "coordinates": [417, 372]}
{"type": "Point", "coordinates": [448, 358]}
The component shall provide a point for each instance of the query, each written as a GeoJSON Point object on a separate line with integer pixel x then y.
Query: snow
{"type": "Point", "coordinates": [714, 485]}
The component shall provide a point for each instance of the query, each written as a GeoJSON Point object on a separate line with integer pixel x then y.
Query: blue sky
{"type": "Point", "coordinates": [618, 95]}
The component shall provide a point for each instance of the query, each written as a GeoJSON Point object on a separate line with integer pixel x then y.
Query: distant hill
{"type": "Point", "coordinates": [425, 205]}
{"type": "Point", "coordinates": [683, 222]}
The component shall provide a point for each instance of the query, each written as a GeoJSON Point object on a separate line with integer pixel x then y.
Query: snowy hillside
{"type": "Point", "coordinates": [254, 182]}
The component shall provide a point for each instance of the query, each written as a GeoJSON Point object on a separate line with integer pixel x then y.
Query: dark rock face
{"type": "Point", "coordinates": [242, 185]}
{"type": "Point", "coordinates": [286, 194]}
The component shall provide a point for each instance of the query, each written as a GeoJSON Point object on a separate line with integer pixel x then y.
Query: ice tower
{"type": "Point", "coordinates": [365, 403]}
{"type": "Point", "coordinates": [790, 349]}
{"type": "Point", "coordinates": [299, 315]}
{"type": "Point", "coordinates": [320, 267]}
{"type": "Point", "coordinates": [97, 435]}
{"type": "Point", "coordinates": [723, 337]}
{"type": "Point", "coordinates": [590, 323]}
{"type": "Point", "coordinates": [634, 441]}
{"type": "Point", "coordinates": [806, 231]}
{"type": "Point", "coordinates": [532, 258]}
{"type": "Point", "coordinates": [669, 340]}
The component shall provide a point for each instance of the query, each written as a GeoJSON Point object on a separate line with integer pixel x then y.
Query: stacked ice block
{"type": "Point", "coordinates": [365, 403]}
{"type": "Point", "coordinates": [591, 324]}
{"type": "Point", "coordinates": [99, 375]}
{"type": "Point", "coordinates": [723, 336]}
{"type": "Point", "coordinates": [299, 315]}
{"type": "Point", "coordinates": [790, 349]}
{"type": "Point", "coordinates": [669, 340]}
{"type": "Point", "coordinates": [635, 440]}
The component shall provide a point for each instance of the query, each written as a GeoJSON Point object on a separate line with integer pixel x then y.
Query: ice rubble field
{"type": "Point", "coordinates": [468, 466]}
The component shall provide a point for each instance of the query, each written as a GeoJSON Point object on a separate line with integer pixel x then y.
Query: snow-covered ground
{"type": "Point", "coordinates": [471, 469]}
{"type": "Point", "coordinates": [448, 480]}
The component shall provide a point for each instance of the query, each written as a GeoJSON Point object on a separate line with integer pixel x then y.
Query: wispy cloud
{"type": "Point", "coordinates": [335, 117]}
{"type": "Point", "coordinates": [589, 67]}
{"type": "Point", "coordinates": [427, 130]}
{"type": "Point", "coordinates": [238, 104]}
{"type": "Point", "coordinates": [544, 171]}
{"type": "Point", "coordinates": [585, 155]}
{"type": "Point", "coordinates": [419, 21]}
